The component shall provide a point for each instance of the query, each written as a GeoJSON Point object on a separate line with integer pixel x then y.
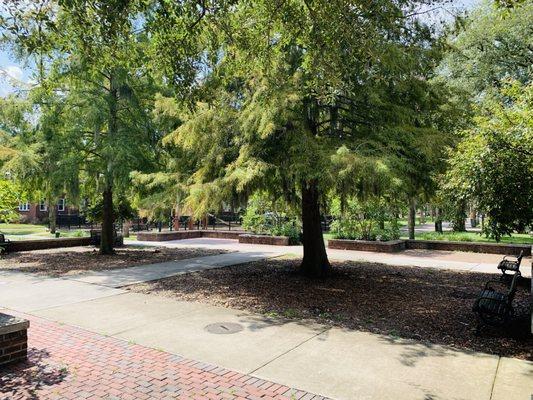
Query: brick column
{"type": "Point", "coordinates": [13, 339]}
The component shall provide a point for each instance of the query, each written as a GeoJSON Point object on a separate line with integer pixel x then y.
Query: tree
{"type": "Point", "coordinates": [288, 83]}
{"type": "Point", "coordinates": [493, 164]}
{"type": "Point", "coordinates": [9, 200]}
{"type": "Point", "coordinates": [95, 59]}
{"type": "Point", "coordinates": [491, 45]}
{"type": "Point", "coordinates": [490, 48]}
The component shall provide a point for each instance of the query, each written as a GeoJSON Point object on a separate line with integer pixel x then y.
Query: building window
{"type": "Point", "coordinates": [24, 206]}
{"type": "Point", "coordinates": [61, 205]}
{"type": "Point", "coordinates": [43, 206]}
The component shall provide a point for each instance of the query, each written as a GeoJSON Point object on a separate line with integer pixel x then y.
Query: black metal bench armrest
{"type": "Point", "coordinates": [498, 284]}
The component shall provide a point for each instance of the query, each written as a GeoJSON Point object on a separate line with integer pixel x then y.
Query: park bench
{"type": "Point", "coordinates": [508, 264]}
{"type": "Point", "coordinates": [494, 305]}
{"type": "Point", "coordinates": [4, 243]}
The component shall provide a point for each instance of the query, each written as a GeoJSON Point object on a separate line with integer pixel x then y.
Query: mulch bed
{"type": "Point", "coordinates": [73, 260]}
{"type": "Point", "coordinates": [429, 305]}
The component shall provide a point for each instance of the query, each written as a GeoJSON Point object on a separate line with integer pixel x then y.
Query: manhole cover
{"type": "Point", "coordinates": [223, 328]}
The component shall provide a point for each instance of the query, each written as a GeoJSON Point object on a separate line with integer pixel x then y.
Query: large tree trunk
{"type": "Point", "coordinates": [52, 216]}
{"type": "Point", "coordinates": [107, 240]}
{"type": "Point", "coordinates": [108, 219]}
{"type": "Point", "coordinates": [315, 260]}
{"type": "Point", "coordinates": [412, 218]}
{"type": "Point", "coordinates": [438, 220]}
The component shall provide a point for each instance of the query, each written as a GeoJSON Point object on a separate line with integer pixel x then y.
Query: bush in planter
{"type": "Point", "coordinates": [364, 229]}
{"type": "Point", "coordinates": [262, 218]}
{"type": "Point", "coordinates": [289, 228]}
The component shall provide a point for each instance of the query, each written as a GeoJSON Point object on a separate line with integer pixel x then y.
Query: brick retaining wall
{"type": "Point", "coordinates": [399, 245]}
{"type": "Point", "coordinates": [193, 234]}
{"type": "Point", "coordinates": [13, 339]}
{"type": "Point", "coordinates": [264, 239]}
{"type": "Point", "coordinates": [234, 235]}
{"type": "Point", "coordinates": [165, 236]}
{"type": "Point", "coordinates": [391, 246]}
{"type": "Point", "coordinates": [475, 247]}
{"type": "Point", "coordinates": [40, 244]}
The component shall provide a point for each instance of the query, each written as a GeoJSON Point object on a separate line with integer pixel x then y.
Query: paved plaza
{"type": "Point", "coordinates": [67, 362]}
{"type": "Point", "coordinates": [89, 333]}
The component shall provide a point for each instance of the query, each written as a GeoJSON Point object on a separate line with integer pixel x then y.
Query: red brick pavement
{"type": "Point", "coordinates": [66, 362]}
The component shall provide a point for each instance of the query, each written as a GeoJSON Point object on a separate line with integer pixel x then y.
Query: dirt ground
{"type": "Point", "coordinates": [429, 305]}
{"type": "Point", "coordinates": [73, 260]}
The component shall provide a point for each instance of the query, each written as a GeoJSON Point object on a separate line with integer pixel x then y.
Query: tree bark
{"type": "Point", "coordinates": [52, 216]}
{"type": "Point", "coordinates": [411, 220]}
{"type": "Point", "coordinates": [459, 222]}
{"type": "Point", "coordinates": [422, 215]}
{"type": "Point", "coordinates": [107, 239]}
{"type": "Point", "coordinates": [315, 259]}
{"type": "Point", "coordinates": [108, 219]}
{"type": "Point", "coordinates": [438, 220]}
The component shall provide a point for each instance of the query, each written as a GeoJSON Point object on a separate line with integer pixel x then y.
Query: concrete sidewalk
{"type": "Point", "coordinates": [142, 273]}
{"type": "Point", "coordinates": [463, 261]}
{"type": "Point", "coordinates": [332, 362]}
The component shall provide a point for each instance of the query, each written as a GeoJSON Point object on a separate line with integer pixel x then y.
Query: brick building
{"type": "Point", "coordinates": [38, 212]}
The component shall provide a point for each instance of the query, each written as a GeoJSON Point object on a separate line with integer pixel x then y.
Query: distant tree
{"type": "Point", "coordinates": [94, 56]}
{"type": "Point", "coordinates": [491, 45]}
{"type": "Point", "coordinates": [9, 200]}
{"type": "Point", "coordinates": [493, 165]}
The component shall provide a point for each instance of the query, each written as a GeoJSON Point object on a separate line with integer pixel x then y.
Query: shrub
{"type": "Point", "coordinates": [258, 218]}
{"type": "Point", "coordinates": [363, 229]}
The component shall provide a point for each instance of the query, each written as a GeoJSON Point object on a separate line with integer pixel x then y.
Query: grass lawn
{"type": "Point", "coordinates": [518, 238]}
{"type": "Point", "coordinates": [21, 229]}
{"type": "Point", "coordinates": [33, 231]}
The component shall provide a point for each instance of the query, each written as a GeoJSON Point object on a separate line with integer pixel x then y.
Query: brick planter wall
{"type": "Point", "coordinates": [13, 339]}
{"type": "Point", "coordinates": [234, 235]}
{"type": "Point", "coordinates": [40, 244]}
{"type": "Point", "coordinates": [180, 235]}
{"type": "Point", "coordinates": [264, 239]}
{"type": "Point", "coordinates": [476, 247]}
{"type": "Point", "coordinates": [165, 236]}
{"type": "Point", "coordinates": [391, 246]}
{"type": "Point", "coordinates": [399, 245]}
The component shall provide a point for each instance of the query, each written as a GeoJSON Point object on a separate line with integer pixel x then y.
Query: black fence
{"type": "Point", "coordinates": [72, 221]}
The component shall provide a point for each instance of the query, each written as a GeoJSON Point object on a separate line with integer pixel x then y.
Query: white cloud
{"type": "Point", "coordinates": [14, 71]}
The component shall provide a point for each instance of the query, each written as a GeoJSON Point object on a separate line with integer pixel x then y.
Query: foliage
{"type": "Point", "coordinates": [10, 196]}
{"type": "Point", "coordinates": [492, 45]}
{"type": "Point", "coordinates": [365, 220]}
{"type": "Point", "coordinates": [493, 165]}
{"type": "Point", "coordinates": [266, 217]}
{"type": "Point", "coordinates": [122, 210]}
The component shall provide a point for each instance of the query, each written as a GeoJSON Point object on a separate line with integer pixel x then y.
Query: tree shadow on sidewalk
{"type": "Point", "coordinates": [25, 379]}
{"type": "Point", "coordinates": [428, 305]}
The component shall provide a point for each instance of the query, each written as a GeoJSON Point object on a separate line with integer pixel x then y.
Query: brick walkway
{"type": "Point", "coordinates": [67, 362]}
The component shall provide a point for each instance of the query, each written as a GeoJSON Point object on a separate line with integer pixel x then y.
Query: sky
{"type": "Point", "coordinates": [13, 69]}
